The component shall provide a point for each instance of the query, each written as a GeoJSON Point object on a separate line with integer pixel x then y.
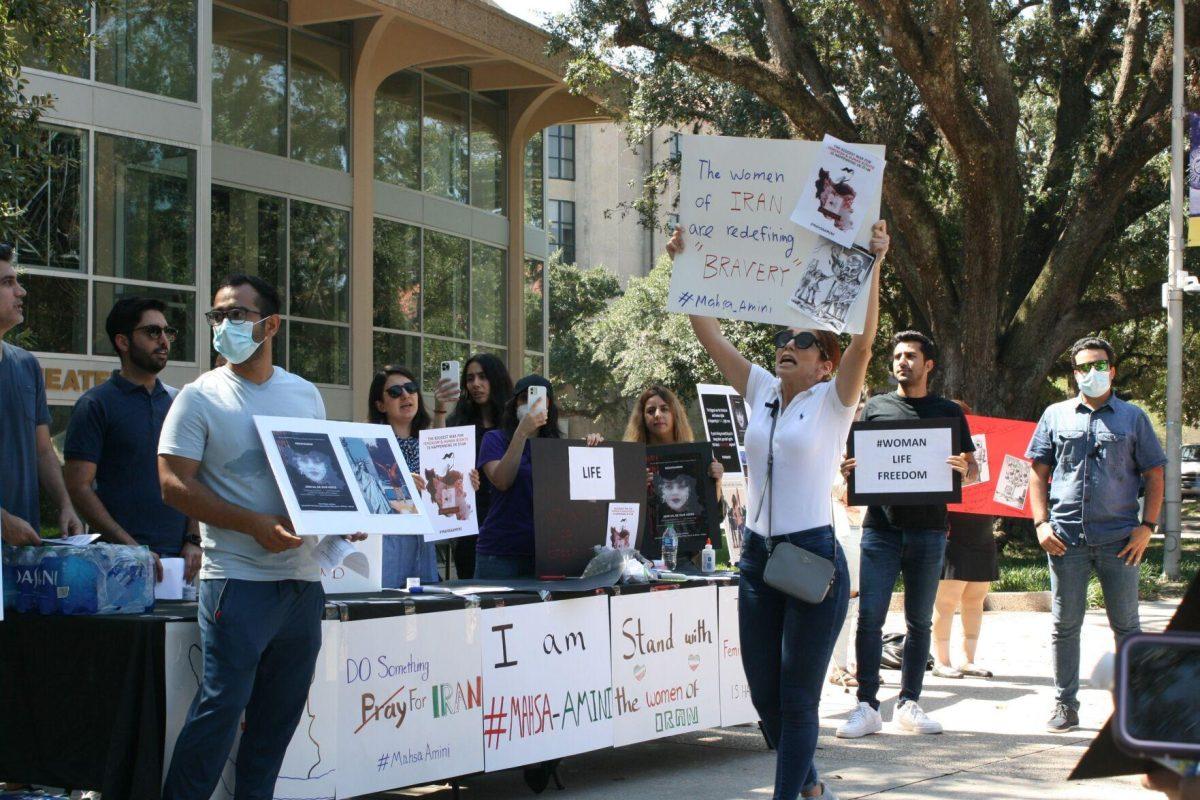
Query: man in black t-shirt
{"type": "Point", "coordinates": [908, 539]}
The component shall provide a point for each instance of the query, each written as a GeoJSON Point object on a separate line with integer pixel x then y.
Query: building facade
{"type": "Point", "coordinates": [368, 157]}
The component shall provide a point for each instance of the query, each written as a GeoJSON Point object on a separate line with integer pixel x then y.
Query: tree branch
{"type": "Point", "coordinates": [995, 74]}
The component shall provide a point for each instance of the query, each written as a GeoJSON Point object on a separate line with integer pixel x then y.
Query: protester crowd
{"type": "Point", "coordinates": [181, 472]}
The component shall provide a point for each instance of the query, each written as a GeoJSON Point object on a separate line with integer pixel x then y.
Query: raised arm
{"type": "Point", "coordinates": [732, 364]}
{"type": "Point", "coordinates": [852, 372]}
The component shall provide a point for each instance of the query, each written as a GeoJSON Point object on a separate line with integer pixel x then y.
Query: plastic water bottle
{"type": "Point", "coordinates": [708, 558]}
{"type": "Point", "coordinates": [670, 547]}
{"type": "Point", "coordinates": [81, 577]}
{"type": "Point", "coordinates": [48, 578]}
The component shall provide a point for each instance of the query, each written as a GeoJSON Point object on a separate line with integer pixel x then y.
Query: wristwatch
{"type": "Point", "coordinates": [191, 538]}
{"type": "Point", "coordinates": [1153, 526]}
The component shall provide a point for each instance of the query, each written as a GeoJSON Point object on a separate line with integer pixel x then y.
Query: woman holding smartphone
{"type": "Point", "coordinates": [801, 415]}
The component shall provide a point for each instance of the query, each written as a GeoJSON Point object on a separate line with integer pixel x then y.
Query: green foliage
{"type": "Point", "coordinates": [577, 296]}
{"type": "Point", "coordinates": [51, 33]}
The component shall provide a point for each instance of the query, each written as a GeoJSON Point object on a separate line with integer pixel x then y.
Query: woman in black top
{"type": "Point", "coordinates": [487, 387]}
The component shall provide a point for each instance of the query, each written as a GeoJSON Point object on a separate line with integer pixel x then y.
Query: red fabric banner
{"type": "Point", "coordinates": [1000, 446]}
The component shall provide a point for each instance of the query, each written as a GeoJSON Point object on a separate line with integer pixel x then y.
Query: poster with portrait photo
{"type": "Point", "coordinates": [733, 492]}
{"type": "Point", "coordinates": [341, 477]}
{"type": "Point", "coordinates": [313, 472]}
{"type": "Point", "coordinates": [844, 180]}
{"type": "Point", "coordinates": [447, 458]}
{"type": "Point", "coordinates": [833, 281]}
{"type": "Point", "coordinates": [681, 494]}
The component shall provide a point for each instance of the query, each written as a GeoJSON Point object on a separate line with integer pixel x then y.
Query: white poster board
{"type": "Point", "coordinates": [342, 477]}
{"type": "Point", "coordinates": [409, 692]}
{"type": "Point", "coordinates": [348, 567]}
{"type": "Point", "coordinates": [843, 179]}
{"type": "Point", "coordinates": [736, 708]}
{"type": "Point", "coordinates": [546, 679]}
{"type": "Point", "coordinates": [743, 255]}
{"type": "Point", "coordinates": [447, 458]}
{"type": "Point", "coordinates": [592, 474]}
{"type": "Point", "coordinates": [903, 462]}
{"type": "Point", "coordinates": [665, 672]}
{"type": "Point", "coordinates": [309, 770]}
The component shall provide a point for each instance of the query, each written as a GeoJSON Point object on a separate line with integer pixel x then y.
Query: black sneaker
{"type": "Point", "coordinates": [1065, 719]}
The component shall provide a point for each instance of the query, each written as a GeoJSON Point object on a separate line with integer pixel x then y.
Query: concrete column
{"type": "Point", "coordinates": [515, 189]}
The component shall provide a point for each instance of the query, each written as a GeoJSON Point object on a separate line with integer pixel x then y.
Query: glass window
{"type": "Point", "coordinates": [560, 152]}
{"type": "Point", "coordinates": [459, 76]}
{"type": "Point", "coordinates": [268, 8]}
{"type": "Point", "coordinates": [444, 147]}
{"type": "Point", "coordinates": [487, 156]}
{"type": "Point", "coordinates": [148, 45]}
{"type": "Point", "coordinates": [535, 305]}
{"type": "Point", "coordinates": [249, 82]}
{"type": "Point", "coordinates": [145, 210]}
{"type": "Point", "coordinates": [181, 312]}
{"type": "Point", "coordinates": [437, 351]}
{"type": "Point", "coordinates": [535, 189]}
{"type": "Point", "coordinates": [445, 290]}
{"type": "Point", "coordinates": [50, 229]}
{"type": "Point", "coordinates": [398, 130]}
{"type": "Point", "coordinates": [535, 364]}
{"type": "Point", "coordinates": [320, 353]}
{"type": "Point", "coordinates": [55, 315]}
{"type": "Point", "coordinates": [320, 263]}
{"type": "Point", "coordinates": [561, 226]}
{"type": "Point", "coordinates": [672, 222]}
{"type": "Point", "coordinates": [78, 63]}
{"type": "Point", "coordinates": [320, 98]}
{"type": "Point", "coordinates": [395, 348]}
{"type": "Point", "coordinates": [248, 235]}
{"type": "Point", "coordinates": [397, 273]}
{"type": "Point", "coordinates": [488, 294]}
{"type": "Point", "coordinates": [675, 145]}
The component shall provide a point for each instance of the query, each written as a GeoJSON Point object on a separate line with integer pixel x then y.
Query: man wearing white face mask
{"type": "Point", "coordinates": [1098, 449]}
{"type": "Point", "coordinates": [260, 593]}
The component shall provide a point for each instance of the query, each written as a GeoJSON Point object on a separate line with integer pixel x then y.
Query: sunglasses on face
{"type": "Point", "coordinates": [401, 389]}
{"type": "Point", "coordinates": [1098, 366]}
{"type": "Point", "coordinates": [233, 314]}
{"type": "Point", "coordinates": [158, 331]}
{"type": "Point", "coordinates": [803, 340]}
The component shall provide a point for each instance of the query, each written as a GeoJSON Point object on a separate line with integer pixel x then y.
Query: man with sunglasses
{"type": "Point", "coordinates": [111, 447]}
{"type": "Point", "coordinates": [908, 540]}
{"type": "Point", "coordinates": [1098, 449]}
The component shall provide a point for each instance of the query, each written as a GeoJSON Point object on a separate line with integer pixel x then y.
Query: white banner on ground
{"type": "Point", "coordinates": [736, 708]}
{"type": "Point", "coordinates": [546, 679]}
{"type": "Point", "coordinates": [409, 693]}
{"type": "Point", "coordinates": [665, 675]}
{"type": "Point", "coordinates": [744, 256]}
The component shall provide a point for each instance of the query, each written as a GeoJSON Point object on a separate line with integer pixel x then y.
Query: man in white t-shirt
{"type": "Point", "coordinates": [260, 594]}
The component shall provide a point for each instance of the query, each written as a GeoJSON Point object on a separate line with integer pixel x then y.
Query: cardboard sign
{"type": "Point", "coordinates": [743, 254]}
{"type": "Point", "coordinates": [903, 462]}
{"type": "Point", "coordinates": [566, 529]}
{"type": "Point", "coordinates": [547, 681]}
{"type": "Point", "coordinates": [447, 458]}
{"type": "Point", "coordinates": [725, 417]}
{"type": "Point", "coordinates": [665, 671]}
{"type": "Point", "coordinates": [683, 496]}
{"type": "Point", "coordinates": [409, 701]}
{"type": "Point", "coordinates": [736, 708]}
{"type": "Point", "coordinates": [1000, 446]}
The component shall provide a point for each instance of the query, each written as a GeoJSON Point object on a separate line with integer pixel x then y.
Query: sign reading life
{"type": "Point", "coordinates": [743, 256]}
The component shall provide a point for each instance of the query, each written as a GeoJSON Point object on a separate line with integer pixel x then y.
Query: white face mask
{"type": "Point", "coordinates": [1095, 383]}
{"type": "Point", "coordinates": [522, 411]}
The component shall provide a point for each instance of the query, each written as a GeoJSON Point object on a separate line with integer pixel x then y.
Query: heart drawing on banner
{"type": "Point", "coordinates": [639, 672]}
{"type": "Point", "coordinates": [694, 662]}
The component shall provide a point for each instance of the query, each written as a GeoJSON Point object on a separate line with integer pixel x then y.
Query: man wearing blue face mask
{"type": "Point", "coordinates": [1097, 449]}
{"type": "Point", "coordinates": [260, 593]}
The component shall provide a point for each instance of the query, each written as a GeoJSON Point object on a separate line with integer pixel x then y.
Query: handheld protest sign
{"type": "Point", "coordinates": [903, 462]}
{"type": "Point", "coordinates": [683, 495]}
{"type": "Point", "coordinates": [573, 486]}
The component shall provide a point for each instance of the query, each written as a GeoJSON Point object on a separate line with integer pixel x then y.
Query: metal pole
{"type": "Point", "coordinates": [1174, 297]}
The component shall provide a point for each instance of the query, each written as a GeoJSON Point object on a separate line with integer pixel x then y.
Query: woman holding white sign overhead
{"type": "Point", "coordinates": [800, 418]}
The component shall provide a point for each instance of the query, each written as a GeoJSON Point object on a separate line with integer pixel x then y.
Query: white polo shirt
{"type": "Point", "coordinates": [810, 437]}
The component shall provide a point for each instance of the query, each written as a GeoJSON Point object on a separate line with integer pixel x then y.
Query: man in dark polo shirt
{"type": "Point", "coordinates": [903, 539]}
{"type": "Point", "coordinates": [28, 463]}
{"type": "Point", "coordinates": [112, 441]}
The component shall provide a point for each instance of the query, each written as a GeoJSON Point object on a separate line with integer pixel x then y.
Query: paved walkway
{"type": "Point", "coordinates": [995, 745]}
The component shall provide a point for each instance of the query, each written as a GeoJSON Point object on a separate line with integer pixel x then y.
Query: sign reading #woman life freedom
{"type": "Point", "coordinates": [903, 462]}
{"type": "Point", "coordinates": [744, 256]}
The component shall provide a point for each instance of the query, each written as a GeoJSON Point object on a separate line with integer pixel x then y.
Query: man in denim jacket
{"type": "Point", "coordinates": [1090, 456]}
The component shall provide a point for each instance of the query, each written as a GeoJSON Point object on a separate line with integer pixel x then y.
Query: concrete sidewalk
{"type": "Point", "coordinates": [995, 745]}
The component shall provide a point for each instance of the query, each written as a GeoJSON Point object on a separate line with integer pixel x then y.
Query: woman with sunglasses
{"type": "Point", "coordinates": [395, 399]}
{"type": "Point", "coordinates": [486, 389]}
{"type": "Point", "coordinates": [802, 415]}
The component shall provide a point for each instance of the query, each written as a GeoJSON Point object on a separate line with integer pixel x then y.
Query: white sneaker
{"type": "Point", "coordinates": [911, 718]}
{"type": "Point", "coordinates": [863, 721]}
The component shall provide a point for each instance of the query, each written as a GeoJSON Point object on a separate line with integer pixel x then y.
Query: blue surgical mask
{"type": "Point", "coordinates": [235, 340]}
{"type": "Point", "coordinates": [1094, 384]}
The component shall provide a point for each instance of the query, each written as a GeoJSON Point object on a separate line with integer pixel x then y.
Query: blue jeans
{"type": "Point", "coordinates": [501, 567]}
{"type": "Point", "coordinates": [1069, 574]}
{"type": "Point", "coordinates": [917, 553]}
{"type": "Point", "coordinates": [260, 640]}
{"type": "Point", "coordinates": [786, 645]}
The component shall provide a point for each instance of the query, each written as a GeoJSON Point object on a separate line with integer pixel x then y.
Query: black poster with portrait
{"type": "Point", "coordinates": [681, 494]}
